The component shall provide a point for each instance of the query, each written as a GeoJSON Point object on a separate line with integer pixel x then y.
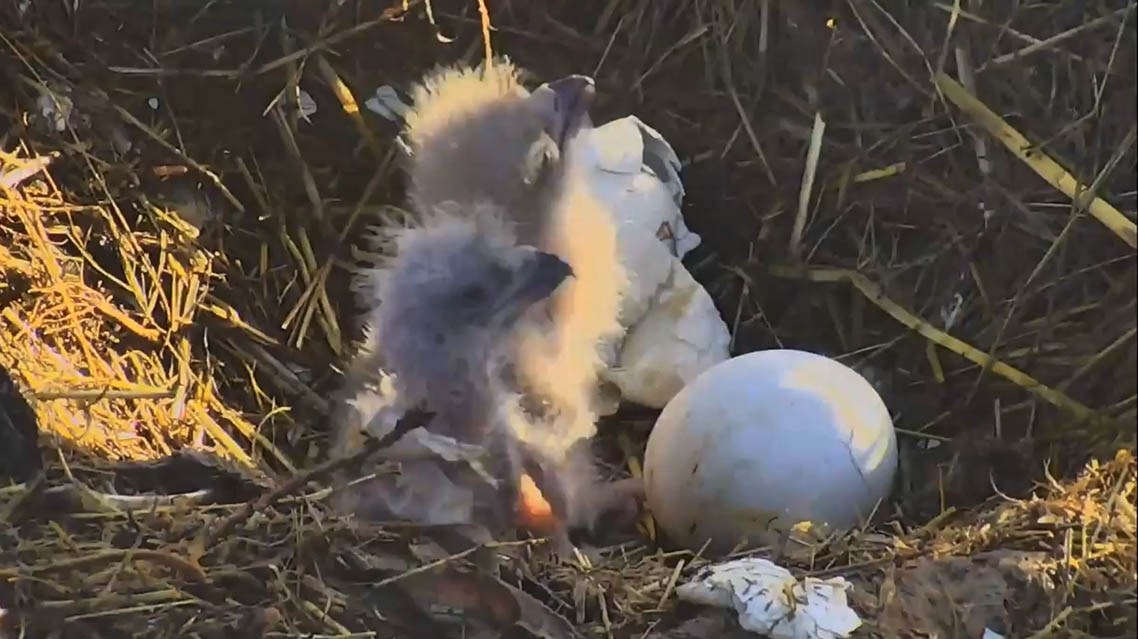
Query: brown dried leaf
{"type": "Point", "coordinates": [474, 594]}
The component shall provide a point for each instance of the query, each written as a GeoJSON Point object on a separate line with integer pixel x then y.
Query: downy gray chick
{"type": "Point", "coordinates": [446, 331]}
{"type": "Point", "coordinates": [478, 136]}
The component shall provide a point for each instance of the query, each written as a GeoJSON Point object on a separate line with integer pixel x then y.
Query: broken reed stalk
{"type": "Point", "coordinates": [875, 294]}
{"type": "Point", "coordinates": [809, 173]}
{"type": "Point", "coordinates": [1038, 160]}
{"type": "Point", "coordinates": [408, 422]}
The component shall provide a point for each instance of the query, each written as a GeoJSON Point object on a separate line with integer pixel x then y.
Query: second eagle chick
{"type": "Point", "coordinates": [453, 300]}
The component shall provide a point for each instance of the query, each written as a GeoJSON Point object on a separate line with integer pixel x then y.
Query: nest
{"type": "Point", "coordinates": [938, 195]}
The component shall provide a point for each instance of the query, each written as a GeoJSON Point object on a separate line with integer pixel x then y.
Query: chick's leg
{"type": "Point", "coordinates": [582, 503]}
{"type": "Point", "coordinates": [616, 506]}
{"type": "Point", "coordinates": [497, 506]}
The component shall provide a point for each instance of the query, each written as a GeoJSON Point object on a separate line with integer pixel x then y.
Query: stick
{"type": "Point", "coordinates": [412, 420]}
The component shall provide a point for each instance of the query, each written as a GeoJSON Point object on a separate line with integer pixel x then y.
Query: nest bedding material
{"type": "Point", "coordinates": [171, 276]}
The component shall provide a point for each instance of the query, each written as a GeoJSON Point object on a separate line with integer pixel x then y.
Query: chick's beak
{"type": "Point", "coordinates": [565, 105]}
{"type": "Point", "coordinates": [536, 276]}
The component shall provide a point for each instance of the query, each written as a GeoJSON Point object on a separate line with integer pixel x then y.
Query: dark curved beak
{"type": "Point", "coordinates": [536, 276]}
{"type": "Point", "coordinates": [565, 105]}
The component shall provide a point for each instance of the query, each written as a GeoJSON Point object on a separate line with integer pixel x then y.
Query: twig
{"type": "Point", "coordinates": [348, 103]}
{"type": "Point", "coordinates": [180, 564]}
{"type": "Point", "coordinates": [438, 563]}
{"type": "Point", "coordinates": [95, 395]}
{"type": "Point", "coordinates": [1053, 625]}
{"type": "Point", "coordinates": [808, 174]}
{"type": "Point", "coordinates": [875, 294]}
{"type": "Point", "coordinates": [213, 177]}
{"type": "Point", "coordinates": [408, 422]}
{"type": "Point", "coordinates": [1040, 162]}
{"type": "Point", "coordinates": [484, 18]}
{"type": "Point", "coordinates": [1057, 38]}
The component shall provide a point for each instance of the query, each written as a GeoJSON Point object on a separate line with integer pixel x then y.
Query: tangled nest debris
{"type": "Point", "coordinates": [175, 231]}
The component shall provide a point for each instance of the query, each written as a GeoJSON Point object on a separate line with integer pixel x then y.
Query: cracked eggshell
{"type": "Point", "coordinates": [770, 601]}
{"type": "Point", "coordinates": [680, 336]}
{"type": "Point", "coordinates": [674, 331]}
{"type": "Point", "coordinates": [766, 440]}
{"type": "Point", "coordinates": [636, 174]}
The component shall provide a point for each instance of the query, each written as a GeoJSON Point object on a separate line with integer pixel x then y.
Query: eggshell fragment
{"type": "Point", "coordinates": [674, 331]}
{"type": "Point", "coordinates": [681, 336]}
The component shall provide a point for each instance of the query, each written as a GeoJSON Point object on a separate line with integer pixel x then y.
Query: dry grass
{"type": "Point", "coordinates": [173, 269]}
{"type": "Point", "coordinates": [117, 377]}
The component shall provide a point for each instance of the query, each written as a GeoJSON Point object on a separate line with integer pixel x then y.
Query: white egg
{"type": "Point", "coordinates": [763, 441]}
